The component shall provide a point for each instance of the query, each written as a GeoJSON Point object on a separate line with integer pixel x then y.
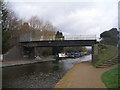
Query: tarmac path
{"type": "Point", "coordinates": [83, 75]}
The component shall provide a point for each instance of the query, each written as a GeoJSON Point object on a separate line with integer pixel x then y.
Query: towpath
{"type": "Point", "coordinates": [83, 75]}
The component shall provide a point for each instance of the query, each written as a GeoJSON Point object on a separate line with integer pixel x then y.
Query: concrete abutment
{"type": "Point", "coordinates": [94, 53]}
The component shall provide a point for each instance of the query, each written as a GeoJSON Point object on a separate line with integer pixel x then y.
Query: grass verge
{"type": "Point", "coordinates": [106, 52]}
{"type": "Point", "coordinates": [110, 78]}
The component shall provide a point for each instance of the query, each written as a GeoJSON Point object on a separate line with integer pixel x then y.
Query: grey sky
{"type": "Point", "coordinates": [72, 17]}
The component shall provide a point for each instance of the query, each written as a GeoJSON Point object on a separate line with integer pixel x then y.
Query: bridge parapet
{"type": "Point", "coordinates": [80, 37]}
{"type": "Point", "coordinates": [30, 37]}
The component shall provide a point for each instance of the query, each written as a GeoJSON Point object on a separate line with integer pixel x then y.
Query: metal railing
{"type": "Point", "coordinates": [30, 37]}
{"type": "Point", "coordinates": [80, 37]}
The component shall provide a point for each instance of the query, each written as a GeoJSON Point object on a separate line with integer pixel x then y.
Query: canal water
{"type": "Point", "coordinates": [40, 75]}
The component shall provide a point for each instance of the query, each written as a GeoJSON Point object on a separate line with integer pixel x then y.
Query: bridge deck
{"type": "Point", "coordinates": [53, 43]}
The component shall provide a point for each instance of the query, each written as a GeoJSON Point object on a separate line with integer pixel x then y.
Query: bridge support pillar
{"type": "Point", "coordinates": [36, 51]}
{"type": "Point", "coordinates": [94, 53]}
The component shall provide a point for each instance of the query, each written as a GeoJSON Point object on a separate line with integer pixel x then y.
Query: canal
{"type": "Point", "coordinates": [40, 75]}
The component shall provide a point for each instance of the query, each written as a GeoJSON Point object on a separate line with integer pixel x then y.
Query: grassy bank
{"type": "Point", "coordinates": [106, 52]}
{"type": "Point", "coordinates": [110, 78]}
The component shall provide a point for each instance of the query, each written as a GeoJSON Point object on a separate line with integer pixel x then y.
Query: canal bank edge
{"type": "Point", "coordinates": [24, 63]}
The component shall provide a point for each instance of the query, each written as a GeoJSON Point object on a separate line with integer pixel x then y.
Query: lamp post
{"type": "Point", "coordinates": [119, 40]}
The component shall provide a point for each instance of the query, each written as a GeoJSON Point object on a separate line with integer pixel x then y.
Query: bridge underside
{"type": "Point", "coordinates": [62, 43]}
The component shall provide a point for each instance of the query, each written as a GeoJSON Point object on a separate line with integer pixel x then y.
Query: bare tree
{"type": "Point", "coordinates": [41, 29]}
{"type": "Point", "coordinates": [35, 23]}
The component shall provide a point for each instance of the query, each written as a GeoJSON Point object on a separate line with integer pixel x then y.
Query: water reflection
{"type": "Point", "coordinates": [41, 75]}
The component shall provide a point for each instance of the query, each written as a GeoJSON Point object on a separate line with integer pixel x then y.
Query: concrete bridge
{"type": "Point", "coordinates": [66, 41]}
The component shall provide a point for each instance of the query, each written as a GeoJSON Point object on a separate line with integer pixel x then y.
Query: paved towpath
{"type": "Point", "coordinates": [83, 75]}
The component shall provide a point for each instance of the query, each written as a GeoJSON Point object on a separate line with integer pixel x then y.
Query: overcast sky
{"type": "Point", "coordinates": [72, 17]}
